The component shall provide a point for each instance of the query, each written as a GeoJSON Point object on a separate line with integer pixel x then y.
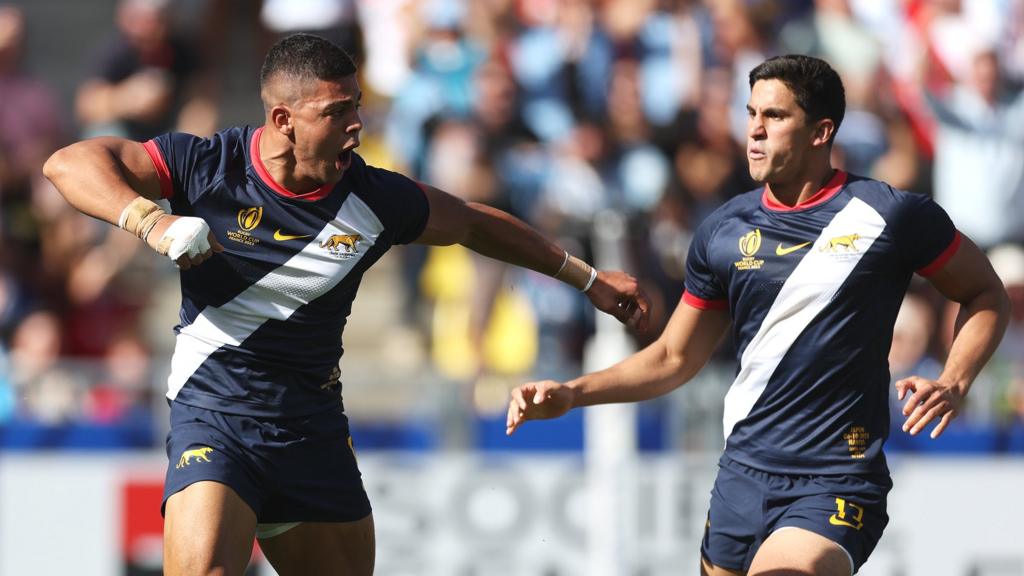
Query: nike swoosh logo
{"type": "Point", "coordinates": [837, 522]}
{"type": "Point", "coordinates": [282, 237]}
{"type": "Point", "coordinates": [780, 251]}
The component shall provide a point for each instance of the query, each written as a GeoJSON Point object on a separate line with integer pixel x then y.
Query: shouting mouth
{"type": "Point", "coordinates": [344, 159]}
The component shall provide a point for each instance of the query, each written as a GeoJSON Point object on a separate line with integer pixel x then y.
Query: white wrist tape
{"type": "Point", "coordinates": [576, 273]}
{"type": "Point", "coordinates": [187, 235]}
{"type": "Point", "coordinates": [593, 276]}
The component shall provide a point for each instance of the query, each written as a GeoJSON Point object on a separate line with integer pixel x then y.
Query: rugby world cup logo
{"type": "Point", "coordinates": [249, 218]}
{"type": "Point", "coordinates": [750, 242]}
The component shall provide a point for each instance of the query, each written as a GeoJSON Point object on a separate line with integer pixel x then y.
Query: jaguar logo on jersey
{"type": "Point", "coordinates": [342, 245]}
{"type": "Point", "coordinates": [750, 243]}
{"type": "Point", "coordinates": [248, 220]}
{"type": "Point", "coordinates": [194, 455]}
{"type": "Point", "coordinates": [841, 244]}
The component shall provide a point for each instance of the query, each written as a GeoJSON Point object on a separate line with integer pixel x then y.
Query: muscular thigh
{"type": "Point", "coordinates": [207, 527]}
{"type": "Point", "coordinates": [326, 548]}
{"type": "Point", "coordinates": [799, 552]}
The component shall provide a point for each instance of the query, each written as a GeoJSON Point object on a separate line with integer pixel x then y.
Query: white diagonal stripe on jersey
{"type": "Point", "coordinates": [807, 291]}
{"type": "Point", "coordinates": [309, 274]}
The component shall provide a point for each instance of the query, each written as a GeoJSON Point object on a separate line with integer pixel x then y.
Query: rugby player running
{"type": "Point", "coordinates": [273, 228]}
{"type": "Point", "coordinates": [810, 270]}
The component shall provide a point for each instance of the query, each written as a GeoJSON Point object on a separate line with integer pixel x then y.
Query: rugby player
{"type": "Point", "coordinates": [273, 228]}
{"type": "Point", "coordinates": [810, 271]}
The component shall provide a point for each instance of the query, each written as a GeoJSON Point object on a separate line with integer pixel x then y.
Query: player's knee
{"type": "Point", "coordinates": [185, 564]}
{"type": "Point", "coordinates": [179, 562]}
{"type": "Point", "coordinates": [204, 558]}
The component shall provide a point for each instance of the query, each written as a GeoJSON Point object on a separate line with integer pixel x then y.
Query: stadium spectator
{"type": "Point", "coordinates": [979, 152]}
{"type": "Point", "coordinates": [30, 129]}
{"type": "Point", "coordinates": [51, 393]}
{"type": "Point", "coordinates": [145, 79]}
{"type": "Point", "coordinates": [336, 20]}
{"type": "Point", "coordinates": [1008, 261]}
{"type": "Point", "coordinates": [911, 341]}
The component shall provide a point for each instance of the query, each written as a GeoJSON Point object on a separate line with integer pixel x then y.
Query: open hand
{"type": "Point", "coordinates": [538, 401]}
{"type": "Point", "coordinates": [928, 401]}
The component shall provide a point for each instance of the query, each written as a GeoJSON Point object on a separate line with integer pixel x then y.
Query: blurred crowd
{"type": "Point", "coordinates": [601, 122]}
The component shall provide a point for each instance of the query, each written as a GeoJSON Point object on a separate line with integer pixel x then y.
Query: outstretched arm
{"type": "Point", "coordinates": [114, 180]}
{"type": "Point", "coordinates": [968, 278]}
{"type": "Point", "coordinates": [672, 360]}
{"type": "Point", "coordinates": [501, 236]}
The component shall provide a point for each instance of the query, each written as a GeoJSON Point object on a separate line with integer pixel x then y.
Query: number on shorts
{"type": "Point", "coordinates": [847, 514]}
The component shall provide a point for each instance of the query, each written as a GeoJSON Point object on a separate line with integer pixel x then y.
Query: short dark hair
{"type": "Point", "coordinates": [817, 88]}
{"type": "Point", "coordinates": [306, 56]}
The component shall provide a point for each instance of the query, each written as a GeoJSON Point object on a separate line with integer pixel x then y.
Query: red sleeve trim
{"type": "Point", "coordinates": [941, 260]}
{"type": "Point", "coordinates": [702, 304]}
{"type": "Point", "coordinates": [166, 186]}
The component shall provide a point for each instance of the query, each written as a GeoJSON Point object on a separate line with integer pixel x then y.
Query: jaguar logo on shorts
{"type": "Point", "coordinates": [248, 219]}
{"type": "Point", "coordinates": [200, 454]}
{"type": "Point", "coordinates": [749, 244]}
{"type": "Point", "coordinates": [342, 245]}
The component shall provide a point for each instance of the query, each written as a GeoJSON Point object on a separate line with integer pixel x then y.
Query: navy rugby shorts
{"type": "Point", "coordinates": [286, 470]}
{"type": "Point", "coordinates": [747, 505]}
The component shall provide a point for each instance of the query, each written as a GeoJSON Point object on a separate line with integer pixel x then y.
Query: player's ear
{"type": "Point", "coordinates": [823, 131]}
{"type": "Point", "coordinates": [281, 116]}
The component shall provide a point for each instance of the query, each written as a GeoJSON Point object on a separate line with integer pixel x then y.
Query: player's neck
{"type": "Point", "coordinates": [279, 161]}
{"type": "Point", "coordinates": [802, 188]}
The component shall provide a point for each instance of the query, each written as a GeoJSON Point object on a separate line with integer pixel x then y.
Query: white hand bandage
{"type": "Point", "coordinates": [185, 236]}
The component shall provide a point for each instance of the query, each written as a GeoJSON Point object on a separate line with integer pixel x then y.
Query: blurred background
{"type": "Point", "coordinates": [615, 127]}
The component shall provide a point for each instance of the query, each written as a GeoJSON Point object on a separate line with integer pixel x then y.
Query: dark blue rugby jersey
{"type": "Point", "coordinates": [813, 293]}
{"type": "Point", "coordinates": [261, 323]}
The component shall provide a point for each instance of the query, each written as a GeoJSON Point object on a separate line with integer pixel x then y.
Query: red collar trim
{"type": "Point", "coordinates": [261, 171]}
{"type": "Point", "coordinates": [825, 194]}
